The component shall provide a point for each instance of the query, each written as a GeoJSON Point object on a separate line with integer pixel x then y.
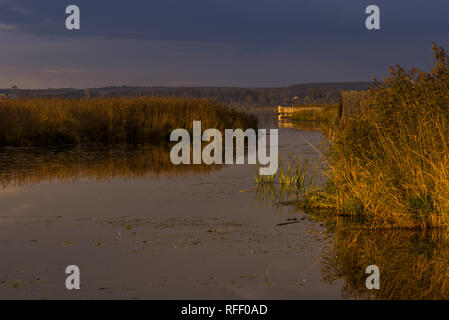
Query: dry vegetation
{"type": "Point", "coordinates": [25, 122]}
{"type": "Point", "coordinates": [319, 112]}
{"type": "Point", "coordinates": [390, 164]}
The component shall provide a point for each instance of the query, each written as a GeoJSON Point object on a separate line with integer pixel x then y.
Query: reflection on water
{"type": "Point", "coordinates": [23, 166]}
{"type": "Point", "coordinates": [134, 235]}
{"type": "Point", "coordinates": [302, 125]}
{"type": "Point", "coordinates": [413, 264]}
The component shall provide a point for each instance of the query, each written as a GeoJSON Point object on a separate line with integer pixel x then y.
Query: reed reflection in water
{"type": "Point", "coordinates": [26, 166]}
{"type": "Point", "coordinates": [413, 264]}
{"type": "Point", "coordinates": [302, 125]}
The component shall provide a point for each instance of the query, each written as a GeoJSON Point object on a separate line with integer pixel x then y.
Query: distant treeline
{"type": "Point", "coordinates": [248, 97]}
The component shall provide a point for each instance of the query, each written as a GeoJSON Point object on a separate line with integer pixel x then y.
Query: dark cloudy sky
{"type": "Point", "coordinates": [255, 43]}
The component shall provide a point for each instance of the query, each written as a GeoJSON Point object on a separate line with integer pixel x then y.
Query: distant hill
{"type": "Point", "coordinates": [234, 96]}
{"type": "Point", "coordinates": [303, 88]}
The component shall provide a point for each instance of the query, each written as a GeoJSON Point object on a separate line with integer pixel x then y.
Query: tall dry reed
{"type": "Point", "coordinates": [109, 120]}
{"type": "Point", "coordinates": [390, 164]}
{"type": "Point", "coordinates": [319, 112]}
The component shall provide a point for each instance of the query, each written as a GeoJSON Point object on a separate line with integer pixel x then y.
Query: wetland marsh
{"type": "Point", "coordinates": [140, 228]}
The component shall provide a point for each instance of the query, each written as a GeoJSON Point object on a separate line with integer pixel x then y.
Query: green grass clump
{"type": "Point", "coordinates": [319, 112]}
{"type": "Point", "coordinates": [45, 122]}
{"type": "Point", "coordinates": [296, 178]}
{"type": "Point", "coordinates": [390, 163]}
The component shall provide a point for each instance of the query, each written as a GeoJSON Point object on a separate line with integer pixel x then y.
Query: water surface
{"type": "Point", "coordinates": [140, 228]}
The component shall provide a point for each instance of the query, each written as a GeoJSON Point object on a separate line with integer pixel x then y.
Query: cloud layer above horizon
{"type": "Point", "coordinates": [213, 42]}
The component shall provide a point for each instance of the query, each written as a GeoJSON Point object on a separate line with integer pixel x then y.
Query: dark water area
{"type": "Point", "coordinates": [139, 227]}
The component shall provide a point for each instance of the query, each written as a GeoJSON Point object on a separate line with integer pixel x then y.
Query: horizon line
{"type": "Point", "coordinates": [203, 87]}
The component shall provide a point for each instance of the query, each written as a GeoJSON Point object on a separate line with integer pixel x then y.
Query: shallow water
{"type": "Point", "coordinates": [140, 228]}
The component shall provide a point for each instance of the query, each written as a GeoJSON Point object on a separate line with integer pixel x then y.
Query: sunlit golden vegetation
{"type": "Point", "coordinates": [32, 165]}
{"type": "Point", "coordinates": [413, 263]}
{"type": "Point", "coordinates": [39, 121]}
{"type": "Point", "coordinates": [388, 164]}
{"type": "Point", "coordinates": [316, 112]}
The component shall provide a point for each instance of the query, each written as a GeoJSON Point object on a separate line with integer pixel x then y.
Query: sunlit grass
{"type": "Point", "coordinates": [319, 112]}
{"type": "Point", "coordinates": [297, 178]}
{"type": "Point", "coordinates": [388, 164]}
{"type": "Point", "coordinates": [25, 122]}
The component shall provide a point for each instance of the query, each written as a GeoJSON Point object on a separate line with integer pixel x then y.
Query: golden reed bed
{"type": "Point", "coordinates": [45, 122]}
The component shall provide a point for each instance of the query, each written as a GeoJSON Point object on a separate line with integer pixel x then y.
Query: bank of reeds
{"type": "Point", "coordinates": [44, 122]}
{"type": "Point", "coordinates": [389, 165]}
{"type": "Point", "coordinates": [316, 112]}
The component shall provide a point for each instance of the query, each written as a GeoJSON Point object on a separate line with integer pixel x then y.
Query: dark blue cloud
{"type": "Point", "coordinates": [214, 42]}
{"type": "Point", "coordinates": [252, 21]}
